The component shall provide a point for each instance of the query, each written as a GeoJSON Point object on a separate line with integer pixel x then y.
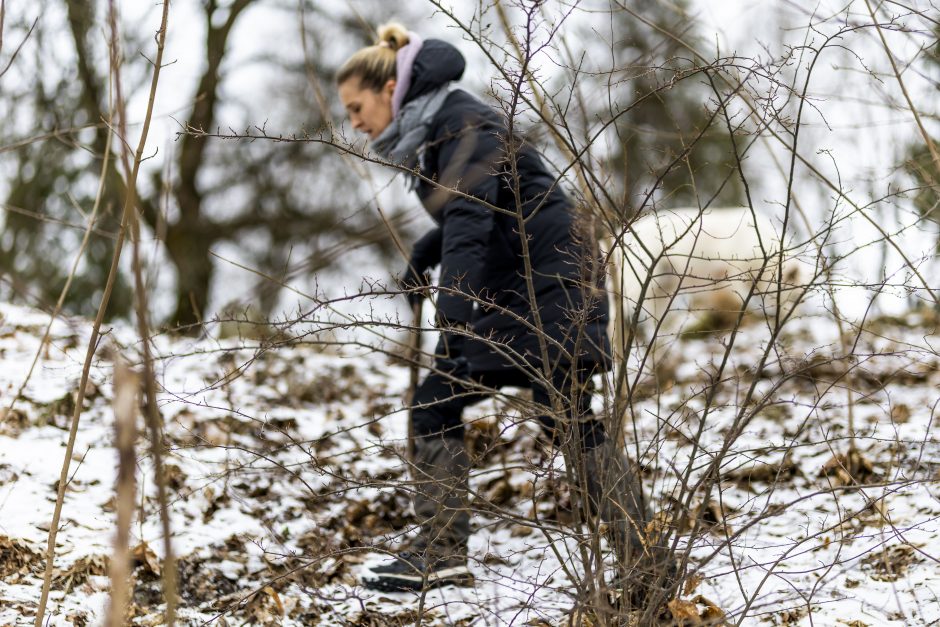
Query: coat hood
{"type": "Point", "coordinates": [436, 64]}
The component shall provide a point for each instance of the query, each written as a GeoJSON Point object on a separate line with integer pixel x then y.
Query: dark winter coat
{"type": "Point", "coordinates": [480, 249]}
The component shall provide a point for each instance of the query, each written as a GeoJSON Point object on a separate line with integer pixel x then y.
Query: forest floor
{"type": "Point", "coordinates": [285, 474]}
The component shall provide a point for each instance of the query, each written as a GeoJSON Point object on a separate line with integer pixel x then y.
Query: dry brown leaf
{"type": "Point", "coordinates": [849, 468]}
{"type": "Point", "coordinates": [658, 524]}
{"type": "Point", "coordinates": [14, 422]}
{"type": "Point", "coordinates": [890, 563]}
{"type": "Point", "coordinates": [271, 592]}
{"type": "Point", "coordinates": [581, 617]}
{"type": "Point", "coordinates": [692, 583]}
{"type": "Point", "coordinates": [80, 570]}
{"type": "Point", "coordinates": [356, 511]}
{"type": "Point", "coordinates": [900, 414]}
{"type": "Point", "coordinates": [763, 472]}
{"type": "Point", "coordinates": [174, 477]}
{"type": "Point", "coordinates": [712, 613]}
{"type": "Point", "coordinates": [17, 557]}
{"type": "Point", "coordinates": [521, 531]}
{"type": "Point", "coordinates": [144, 556]}
{"type": "Point", "coordinates": [684, 612]}
{"type": "Point", "coordinates": [499, 491]}
{"type": "Point", "coordinates": [77, 619]}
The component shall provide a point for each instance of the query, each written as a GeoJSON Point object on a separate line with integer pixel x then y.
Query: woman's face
{"type": "Point", "coordinates": [369, 111]}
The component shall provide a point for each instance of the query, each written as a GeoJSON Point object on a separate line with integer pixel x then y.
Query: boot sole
{"type": "Point", "coordinates": [458, 576]}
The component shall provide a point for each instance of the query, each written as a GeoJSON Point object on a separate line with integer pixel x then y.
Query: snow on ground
{"type": "Point", "coordinates": [285, 476]}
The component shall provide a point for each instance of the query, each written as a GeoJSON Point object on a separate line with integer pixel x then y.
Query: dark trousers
{"type": "Point", "coordinates": [440, 400]}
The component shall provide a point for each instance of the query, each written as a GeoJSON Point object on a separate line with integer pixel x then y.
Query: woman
{"type": "Point", "coordinates": [516, 302]}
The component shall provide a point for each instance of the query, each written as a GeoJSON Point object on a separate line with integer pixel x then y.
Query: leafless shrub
{"type": "Point", "coordinates": [783, 426]}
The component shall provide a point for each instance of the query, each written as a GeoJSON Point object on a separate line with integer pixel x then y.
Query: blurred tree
{"type": "Point", "coordinates": [278, 203]}
{"type": "Point", "coordinates": [921, 162]}
{"type": "Point", "coordinates": [50, 177]}
{"type": "Point", "coordinates": [661, 118]}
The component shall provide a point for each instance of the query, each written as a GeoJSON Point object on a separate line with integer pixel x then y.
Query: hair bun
{"type": "Point", "coordinates": [393, 34]}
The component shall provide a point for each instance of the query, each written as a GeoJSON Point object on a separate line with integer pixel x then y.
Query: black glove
{"type": "Point", "coordinates": [426, 254]}
{"type": "Point", "coordinates": [450, 345]}
{"type": "Point", "coordinates": [448, 356]}
{"type": "Point", "coordinates": [414, 283]}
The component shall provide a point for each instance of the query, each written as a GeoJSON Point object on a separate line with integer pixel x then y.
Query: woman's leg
{"type": "Point", "coordinates": [440, 470]}
{"type": "Point", "coordinates": [441, 466]}
{"type": "Point", "coordinates": [614, 491]}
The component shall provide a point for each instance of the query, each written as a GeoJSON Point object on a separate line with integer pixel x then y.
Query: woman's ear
{"type": "Point", "coordinates": [389, 87]}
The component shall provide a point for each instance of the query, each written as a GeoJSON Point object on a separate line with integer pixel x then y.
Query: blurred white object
{"type": "Point", "coordinates": [688, 267]}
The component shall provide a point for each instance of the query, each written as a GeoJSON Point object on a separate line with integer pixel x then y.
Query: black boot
{"type": "Point", "coordinates": [438, 555]}
{"type": "Point", "coordinates": [617, 497]}
{"type": "Point", "coordinates": [647, 570]}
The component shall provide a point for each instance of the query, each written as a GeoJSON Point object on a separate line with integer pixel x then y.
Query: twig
{"type": "Point", "coordinates": [152, 415]}
{"type": "Point", "coordinates": [931, 146]}
{"type": "Point", "coordinates": [414, 352]}
{"type": "Point", "coordinates": [126, 385]}
{"type": "Point", "coordinates": [95, 332]}
{"type": "Point", "coordinates": [19, 48]}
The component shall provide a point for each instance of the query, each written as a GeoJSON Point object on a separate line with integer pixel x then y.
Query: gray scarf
{"type": "Point", "coordinates": [401, 141]}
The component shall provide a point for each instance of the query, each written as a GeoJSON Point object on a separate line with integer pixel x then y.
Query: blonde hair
{"type": "Point", "coordinates": [375, 65]}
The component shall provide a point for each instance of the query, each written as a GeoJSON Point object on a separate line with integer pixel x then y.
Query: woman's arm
{"type": "Point", "coordinates": [468, 156]}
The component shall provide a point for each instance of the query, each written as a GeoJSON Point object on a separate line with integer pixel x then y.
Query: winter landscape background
{"type": "Point", "coordinates": [793, 455]}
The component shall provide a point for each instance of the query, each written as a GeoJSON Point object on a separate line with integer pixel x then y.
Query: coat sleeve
{"type": "Point", "coordinates": [468, 158]}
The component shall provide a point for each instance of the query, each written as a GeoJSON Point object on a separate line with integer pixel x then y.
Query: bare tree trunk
{"type": "Point", "coordinates": [188, 244]}
{"type": "Point", "coordinates": [189, 252]}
